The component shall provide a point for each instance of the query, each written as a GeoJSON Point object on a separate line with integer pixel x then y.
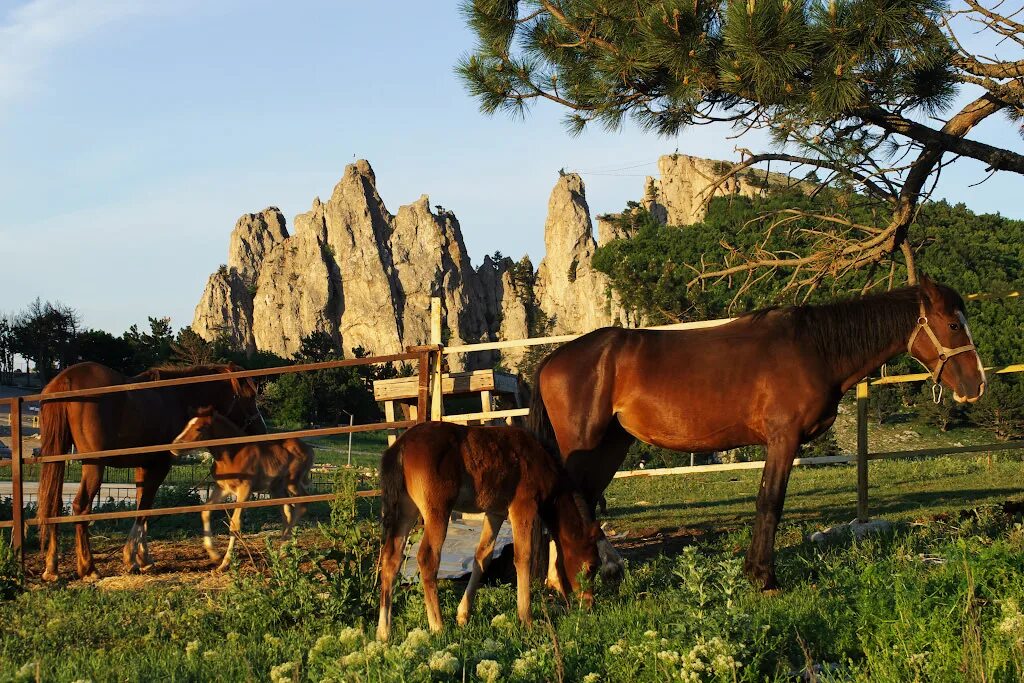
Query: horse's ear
{"type": "Point", "coordinates": [929, 290]}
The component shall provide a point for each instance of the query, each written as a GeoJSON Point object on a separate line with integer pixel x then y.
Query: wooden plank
{"type": "Point", "coordinates": [192, 445]}
{"type": "Point", "coordinates": [17, 494]}
{"type": "Point", "coordinates": [862, 452]}
{"type": "Point", "coordinates": [561, 339]}
{"type": "Point", "coordinates": [452, 383]}
{"type": "Point", "coordinates": [199, 379]}
{"type": "Point", "coordinates": [463, 418]}
{"type": "Point", "coordinates": [727, 467]}
{"type": "Point", "coordinates": [186, 509]}
{"type": "Point", "coordinates": [436, 385]}
{"type": "Point", "coordinates": [389, 416]}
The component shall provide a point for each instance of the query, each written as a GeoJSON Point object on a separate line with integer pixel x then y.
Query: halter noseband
{"type": "Point", "coordinates": [945, 353]}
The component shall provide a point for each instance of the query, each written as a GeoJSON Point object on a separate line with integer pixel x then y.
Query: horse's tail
{"type": "Point", "coordinates": [392, 488]}
{"type": "Point", "coordinates": [538, 422]}
{"type": "Point", "coordinates": [55, 439]}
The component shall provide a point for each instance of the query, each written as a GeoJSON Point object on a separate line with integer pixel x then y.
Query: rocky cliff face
{"type": "Point", "coordinates": [365, 277]}
{"type": "Point", "coordinates": [569, 290]}
{"type": "Point", "coordinates": [678, 196]}
{"type": "Point", "coordinates": [352, 270]}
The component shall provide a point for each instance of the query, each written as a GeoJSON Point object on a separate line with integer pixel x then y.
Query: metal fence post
{"type": "Point", "coordinates": [17, 494]}
{"type": "Point", "coordinates": [862, 452]}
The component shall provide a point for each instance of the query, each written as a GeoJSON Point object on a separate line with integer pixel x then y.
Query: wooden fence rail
{"type": "Point", "coordinates": [429, 406]}
{"type": "Point", "coordinates": [422, 355]}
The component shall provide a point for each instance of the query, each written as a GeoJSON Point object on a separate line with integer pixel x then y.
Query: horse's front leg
{"type": "Point", "coordinates": [523, 518]}
{"type": "Point", "coordinates": [147, 483]}
{"type": "Point", "coordinates": [760, 563]}
{"type": "Point", "coordinates": [216, 496]}
{"type": "Point", "coordinates": [242, 492]}
{"type": "Point", "coordinates": [482, 558]}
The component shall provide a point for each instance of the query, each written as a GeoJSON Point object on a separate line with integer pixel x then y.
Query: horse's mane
{"type": "Point", "coordinates": [177, 371]}
{"type": "Point", "coordinates": [851, 328]}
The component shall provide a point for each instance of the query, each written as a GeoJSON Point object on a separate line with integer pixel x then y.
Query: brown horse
{"type": "Point", "coordinates": [145, 417]}
{"type": "Point", "coordinates": [438, 467]}
{"type": "Point", "coordinates": [281, 467]}
{"type": "Point", "coordinates": [772, 378]}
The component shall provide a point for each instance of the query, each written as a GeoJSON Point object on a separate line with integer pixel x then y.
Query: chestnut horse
{"type": "Point", "coordinates": [771, 378]}
{"type": "Point", "coordinates": [280, 467]}
{"type": "Point", "coordinates": [437, 467]}
{"type": "Point", "coordinates": [145, 417]}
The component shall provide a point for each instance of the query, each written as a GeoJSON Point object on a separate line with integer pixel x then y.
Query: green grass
{"type": "Point", "coordinates": [937, 599]}
{"type": "Point", "coordinates": [934, 602]}
{"type": "Point", "coordinates": [898, 490]}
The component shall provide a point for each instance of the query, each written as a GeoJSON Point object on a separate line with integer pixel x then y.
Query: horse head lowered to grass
{"type": "Point", "coordinates": [437, 467]}
{"type": "Point", "coordinates": [773, 378]}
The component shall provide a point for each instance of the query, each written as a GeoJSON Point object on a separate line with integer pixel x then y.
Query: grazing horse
{"type": "Point", "coordinates": [771, 378]}
{"type": "Point", "coordinates": [126, 419]}
{"type": "Point", "coordinates": [438, 467]}
{"type": "Point", "coordinates": [281, 467]}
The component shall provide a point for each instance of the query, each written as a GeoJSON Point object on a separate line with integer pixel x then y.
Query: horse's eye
{"type": "Point", "coordinates": [954, 326]}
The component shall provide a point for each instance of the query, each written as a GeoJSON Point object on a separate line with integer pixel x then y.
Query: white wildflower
{"type": "Point", "coordinates": [443, 662]}
{"type": "Point", "coordinates": [500, 621]}
{"type": "Point", "coordinates": [283, 673]}
{"type": "Point", "coordinates": [591, 678]}
{"type": "Point", "coordinates": [27, 672]}
{"type": "Point", "coordinates": [272, 641]}
{"type": "Point", "coordinates": [350, 637]}
{"type": "Point", "coordinates": [488, 670]}
{"type": "Point", "coordinates": [416, 640]}
{"type": "Point", "coordinates": [191, 648]}
{"type": "Point", "coordinates": [488, 648]}
{"type": "Point", "coordinates": [356, 658]}
{"type": "Point", "coordinates": [374, 649]}
{"type": "Point", "coordinates": [670, 657]}
{"type": "Point", "coordinates": [209, 654]}
{"type": "Point", "coordinates": [615, 649]}
{"type": "Point", "coordinates": [650, 634]}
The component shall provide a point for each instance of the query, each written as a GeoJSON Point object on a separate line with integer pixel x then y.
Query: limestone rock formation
{"type": "Point", "coordinates": [226, 309]}
{"type": "Point", "coordinates": [569, 290]}
{"type": "Point", "coordinates": [430, 259]}
{"type": "Point", "coordinates": [678, 196]}
{"type": "Point", "coordinates": [255, 234]}
{"type": "Point", "coordinates": [358, 227]}
{"type": "Point", "coordinates": [507, 289]}
{"type": "Point", "coordinates": [296, 295]}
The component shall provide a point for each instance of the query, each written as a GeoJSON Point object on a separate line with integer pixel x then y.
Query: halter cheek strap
{"type": "Point", "coordinates": [944, 352]}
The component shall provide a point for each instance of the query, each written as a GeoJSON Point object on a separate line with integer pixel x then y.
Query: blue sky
{"type": "Point", "coordinates": [133, 134]}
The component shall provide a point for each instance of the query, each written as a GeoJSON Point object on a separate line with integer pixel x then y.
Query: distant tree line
{"type": "Point", "coordinates": [50, 337]}
{"type": "Point", "coordinates": [974, 253]}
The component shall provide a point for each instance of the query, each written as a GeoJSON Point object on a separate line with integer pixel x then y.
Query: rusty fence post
{"type": "Point", "coordinates": [862, 452]}
{"type": "Point", "coordinates": [17, 495]}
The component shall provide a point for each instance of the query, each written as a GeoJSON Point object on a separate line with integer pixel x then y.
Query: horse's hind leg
{"type": "Point", "coordinates": [392, 550]}
{"type": "Point", "coordinates": [435, 528]}
{"type": "Point", "coordinates": [293, 513]}
{"type": "Point", "coordinates": [523, 517]}
{"type": "Point", "coordinates": [482, 558]}
{"type": "Point", "coordinates": [92, 479]}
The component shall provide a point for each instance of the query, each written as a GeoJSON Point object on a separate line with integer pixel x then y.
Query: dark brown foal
{"type": "Point", "coordinates": [438, 467]}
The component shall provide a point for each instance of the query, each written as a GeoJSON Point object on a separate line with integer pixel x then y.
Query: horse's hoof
{"type": "Point", "coordinates": [223, 567]}
{"type": "Point", "coordinates": [92, 577]}
{"type": "Point", "coordinates": [462, 618]}
{"type": "Point", "coordinates": [215, 557]}
{"type": "Point", "coordinates": [146, 567]}
{"type": "Point", "coordinates": [50, 576]}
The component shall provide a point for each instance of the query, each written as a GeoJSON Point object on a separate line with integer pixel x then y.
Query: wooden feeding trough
{"type": "Point", "coordinates": [402, 391]}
